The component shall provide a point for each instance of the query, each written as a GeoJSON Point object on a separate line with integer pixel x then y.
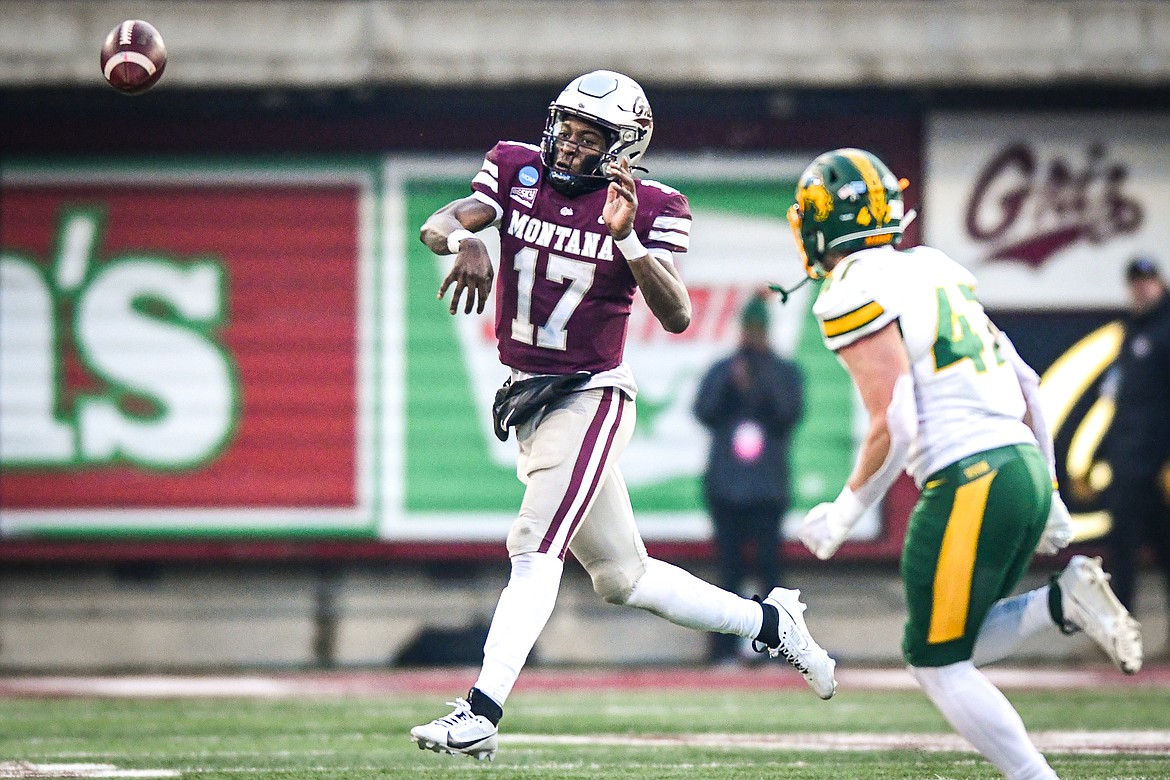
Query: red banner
{"type": "Point", "coordinates": [180, 346]}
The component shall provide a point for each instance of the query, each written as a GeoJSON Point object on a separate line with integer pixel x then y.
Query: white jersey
{"type": "Point", "coordinates": [969, 399]}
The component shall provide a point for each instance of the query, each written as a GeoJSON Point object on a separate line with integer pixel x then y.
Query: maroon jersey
{"type": "Point", "coordinates": [563, 291]}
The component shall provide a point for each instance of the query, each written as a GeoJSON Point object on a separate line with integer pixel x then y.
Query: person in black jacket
{"type": "Point", "coordinates": [1137, 445]}
{"type": "Point", "coordinates": [751, 402]}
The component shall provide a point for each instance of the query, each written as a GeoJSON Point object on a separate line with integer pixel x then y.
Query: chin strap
{"type": "Point", "coordinates": [785, 293]}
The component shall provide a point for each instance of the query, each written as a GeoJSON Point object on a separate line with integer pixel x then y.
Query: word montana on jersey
{"type": "Point", "coordinates": [564, 292]}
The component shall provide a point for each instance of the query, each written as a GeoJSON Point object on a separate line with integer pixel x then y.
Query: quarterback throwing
{"type": "Point", "coordinates": [579, 234]}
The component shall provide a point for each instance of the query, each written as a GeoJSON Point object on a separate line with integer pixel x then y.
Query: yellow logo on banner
{"type": "Point", "coordinates": [1062, 387]}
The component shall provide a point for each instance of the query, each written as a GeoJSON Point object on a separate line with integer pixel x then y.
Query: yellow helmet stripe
{"type": "Point", "coordinates": [878, 206]}
{"type": "Point", "coordinates": [858, 318]}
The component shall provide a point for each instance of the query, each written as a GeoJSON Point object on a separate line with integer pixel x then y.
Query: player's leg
{"type": "Point", "coordinates": [610, 548]}
{"type": "Point", "coordinates": [562, 458]}
{"type": "Point", "coordinates": [979, 712]}
{"type": "Point", "coordinates": [973, 525]}
{"type": "Point", "coordinates": [1077, 599]}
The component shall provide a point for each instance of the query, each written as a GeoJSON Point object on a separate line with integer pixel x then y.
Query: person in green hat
{"type": "Point", "coordinates": [751, 402]}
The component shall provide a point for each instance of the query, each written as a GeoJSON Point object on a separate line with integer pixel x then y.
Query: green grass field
{"type": "Point", "coordinates": [646, 733]}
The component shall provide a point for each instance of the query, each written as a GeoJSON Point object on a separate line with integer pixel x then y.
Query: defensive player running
{"type": "Point", "coordinates": [950, 400]}
{"type": "Point", "coordinates": [578, 235]}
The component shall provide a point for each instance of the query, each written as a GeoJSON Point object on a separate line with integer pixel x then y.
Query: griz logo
{"type": "Point", "coordinates": [1026, 210]}
{"type": "Point", "coordinates": [112, 362]}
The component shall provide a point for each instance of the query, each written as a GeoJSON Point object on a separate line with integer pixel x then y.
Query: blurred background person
{"type": "Point", "coordinates": [751, 401]}
{"type": "Point", "coordinates": [1137, 445]}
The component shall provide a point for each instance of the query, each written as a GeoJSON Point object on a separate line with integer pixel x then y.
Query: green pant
{"type": "Point", "coordinates": [971, 535]}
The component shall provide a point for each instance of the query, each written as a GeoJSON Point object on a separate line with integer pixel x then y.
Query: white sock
{"type": "Point", "coordinates": [684, 599]}
{"type": "Point", "coordinates": [524, 607]}
{"type": "Point", "coordinates": [981, 714]}
{"type": "Point", "coordinates": [1009, 623]}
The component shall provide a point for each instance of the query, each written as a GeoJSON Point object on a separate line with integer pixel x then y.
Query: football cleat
{"type": "Point", "coordinates": [1089, 605]}
{"type": "Point", "coordinates": [460, 732]}
{"type": "Point", "coordinates": [797, 645]}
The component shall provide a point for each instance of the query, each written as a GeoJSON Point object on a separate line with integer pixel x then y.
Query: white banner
{"type": "Point", "coordinates": [1046, 210]}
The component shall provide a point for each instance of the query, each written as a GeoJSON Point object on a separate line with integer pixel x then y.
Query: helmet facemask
{"type": "Point", "coordinates": [617, 107]}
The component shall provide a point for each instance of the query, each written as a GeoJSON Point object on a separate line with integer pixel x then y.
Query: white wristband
{"type": "Point", "coordinates": [630, 247]}
{"type": "Point", "coordinates": [457, 236]}
{"type": "Point", "coordinates": [848, 506]}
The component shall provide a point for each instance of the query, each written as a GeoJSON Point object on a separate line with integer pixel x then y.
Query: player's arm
{"type": "Point", "coordinates": [1058, 530]}
{"type": "Point", "coordinates": [665, 293]}
{"type": "Point", "coordinates": [450, 230]}
{"type": "Point", "coordinates": [880, 369]}
{"type": "Point", "coordinates": [1030, 387]}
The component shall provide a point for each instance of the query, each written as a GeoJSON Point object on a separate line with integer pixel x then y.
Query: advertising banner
{"type": "Point", "coordinates": [186, 351]}
{"type": "Point", "coordinates": [1045, 209]}
{"type": "Point", "coordinates": [460, 481]}
{"type": "Point", "coordinates": [248, 350]}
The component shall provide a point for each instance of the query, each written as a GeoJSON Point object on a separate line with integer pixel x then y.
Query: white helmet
{"type": "Point", "coordinates": [612, 101]}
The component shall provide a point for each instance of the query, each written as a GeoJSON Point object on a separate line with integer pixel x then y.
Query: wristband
{"type": "Point", "coordinates": [630, 246]}
{"type": "Point", "coordinates": [848, 506]}
{"type": "Point", "coordinates": [458, 236]}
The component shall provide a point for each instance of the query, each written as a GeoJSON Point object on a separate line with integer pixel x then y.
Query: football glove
{"type": "Point", "coordinates": [827, 525]}
{"type": "Point", "coordinates": [1058, 532]}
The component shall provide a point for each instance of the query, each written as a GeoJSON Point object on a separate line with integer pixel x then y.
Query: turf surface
{"type": "Point", "coordinates": [562, 734]}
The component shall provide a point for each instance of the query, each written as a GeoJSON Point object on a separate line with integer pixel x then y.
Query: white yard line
{"type": "Point", "coordinates": [24, 769]}
{"type": "Point", "coordinates": [1085, 742]}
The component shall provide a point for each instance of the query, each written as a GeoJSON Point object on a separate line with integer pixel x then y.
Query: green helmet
{"type": "Point", "coordinates": [846, 200]}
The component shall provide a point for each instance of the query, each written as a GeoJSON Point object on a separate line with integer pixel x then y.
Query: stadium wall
{"type": "Point", "coordinates": [270, 543]}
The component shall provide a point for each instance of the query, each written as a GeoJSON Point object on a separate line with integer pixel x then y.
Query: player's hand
{"type": "Point", "coordinates": [472, 274]}
{"type": "Point", "coordinates": [621, 199]}
{"type": "Point", "coordinates": [1058, 532]}
{"type": "Point", "coordinates": [824, 529]}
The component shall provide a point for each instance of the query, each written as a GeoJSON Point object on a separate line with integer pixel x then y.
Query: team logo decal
{"type": "Point", "coordinates": [816, 199]}
{"type": "Point", "coordinates": [525, 195]}
{"type": "Point", "coordinates": [528, 176]}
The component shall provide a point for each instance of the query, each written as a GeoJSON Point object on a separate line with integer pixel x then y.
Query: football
{"type": "Point", "coordinates": [133, 57]}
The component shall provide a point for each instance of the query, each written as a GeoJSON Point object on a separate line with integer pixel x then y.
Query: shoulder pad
{"type": "Point", "coordinates": [851, 303]}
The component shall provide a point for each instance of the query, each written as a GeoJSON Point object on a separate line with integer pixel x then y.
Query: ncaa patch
{"type": "Point", "coordinates": [528, 176]}
{"type": "Point", "coordinates": [525, 195]}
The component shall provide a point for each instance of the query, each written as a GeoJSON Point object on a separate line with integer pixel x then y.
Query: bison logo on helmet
{"type": "Point", "coordinates": [815, 199]}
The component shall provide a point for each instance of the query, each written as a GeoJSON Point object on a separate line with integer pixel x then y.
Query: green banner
{"type": "Point", "coordinates": [454, 467]}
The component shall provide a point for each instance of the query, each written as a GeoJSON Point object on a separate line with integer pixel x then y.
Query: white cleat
{"type": "Point", "coordinates": [1090, 605]}
{"type": "Point", "coordinates": [460, 732]}
{"type": "Point", "coordinates": [798, 646]}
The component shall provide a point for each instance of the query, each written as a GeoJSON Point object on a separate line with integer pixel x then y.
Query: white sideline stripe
{"type": "Point", "coordinates": [23, 769]}
{"type": "Point", "coordinates": [153, 686]}
{"type": "Point", "coordinates": [259, 686]}
{"type": "Point", "coordinates": [129, 56]}
{"type": "Point", "coordinates": [1084, 742]}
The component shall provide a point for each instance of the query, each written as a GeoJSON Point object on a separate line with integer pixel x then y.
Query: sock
{"type": "Point", "coordinates": [1056, 608]}
{"type": "Point", "coordinates": [769, 625]}
{"type": "Point", "coordinates": [524, 607]}
{"type": "Point", "coordinates": [685, 600]}
{"type": "Point", "coordinates": [1009, 622]}
{"type": "Point", "coordinates": [482, 704]}
{"type": "Point", "coordinates": [985, 718]}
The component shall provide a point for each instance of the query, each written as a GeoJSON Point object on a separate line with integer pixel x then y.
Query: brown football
{"type": "Point", "coordinates": [133, 57]}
